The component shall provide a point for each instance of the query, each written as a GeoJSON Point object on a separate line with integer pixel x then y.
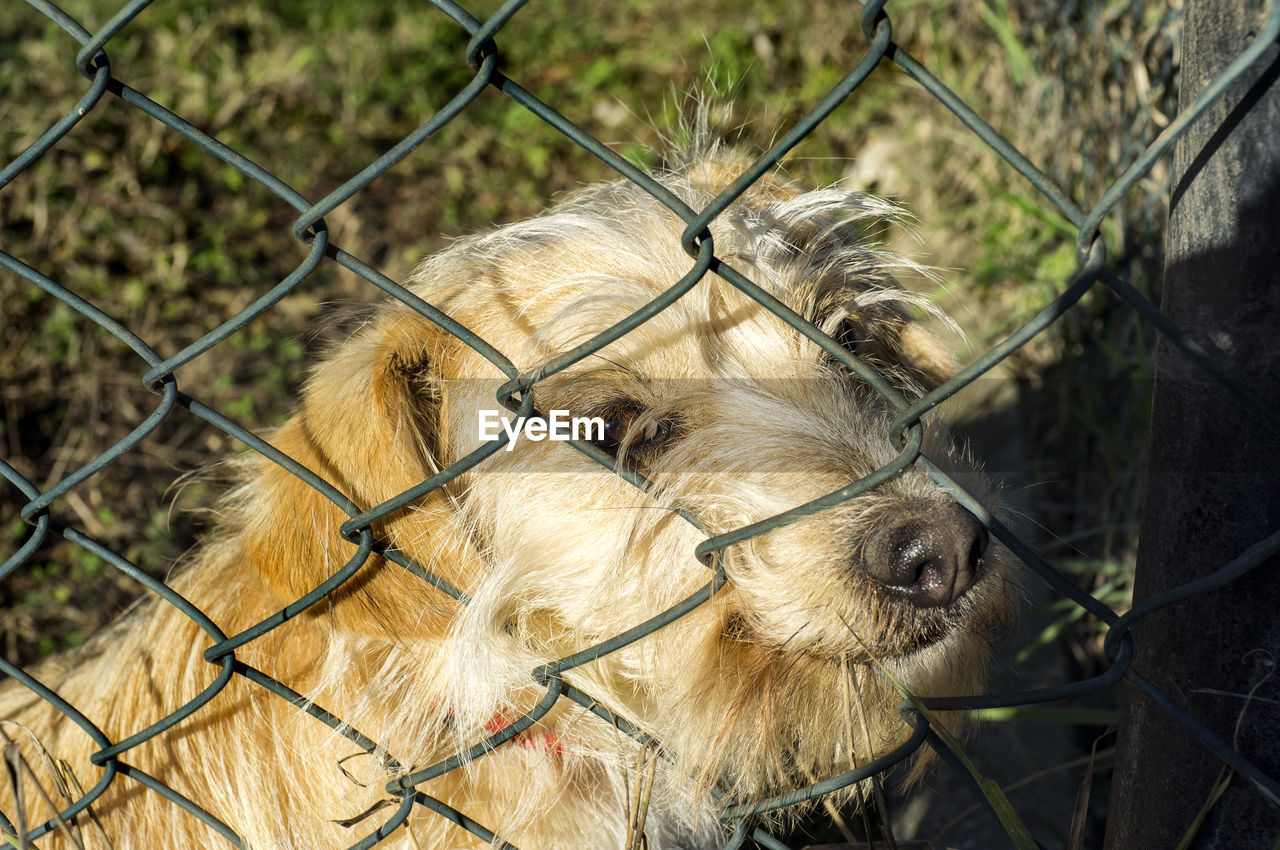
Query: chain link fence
{"type": "Point", "coordinates": [483, 53]}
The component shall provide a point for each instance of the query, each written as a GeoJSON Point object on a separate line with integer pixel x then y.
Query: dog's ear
{"type": "Point", "coordinates": [370, 424]}
{"type": "Point", "coordinates": [878, 327]}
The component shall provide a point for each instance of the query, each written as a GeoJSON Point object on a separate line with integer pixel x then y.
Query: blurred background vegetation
{"type": "Point", "coordinates": [172, 242]}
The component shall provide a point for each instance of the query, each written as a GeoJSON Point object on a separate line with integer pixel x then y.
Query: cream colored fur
{"type": "Point", "coordinates": [771, 685]}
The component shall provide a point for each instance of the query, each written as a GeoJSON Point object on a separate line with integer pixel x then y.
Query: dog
{"type": "Point", "coordinates": [783, 672]}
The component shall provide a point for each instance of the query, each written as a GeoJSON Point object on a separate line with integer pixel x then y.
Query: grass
{"type": "Point", "coordinates": [126, 213]}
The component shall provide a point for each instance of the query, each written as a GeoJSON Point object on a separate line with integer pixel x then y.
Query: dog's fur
{"type": "Point", "coordinates": [773, 684]}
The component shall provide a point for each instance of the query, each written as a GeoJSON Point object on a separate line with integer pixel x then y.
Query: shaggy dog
{"type": "Point", "coordinates": [779, 673]}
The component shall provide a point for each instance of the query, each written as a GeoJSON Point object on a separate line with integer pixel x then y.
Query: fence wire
{"type": "Point", "coordinates": [483, 53]}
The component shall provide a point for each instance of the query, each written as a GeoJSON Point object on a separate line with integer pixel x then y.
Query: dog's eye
{"type": "Point", "coordinates": [643, 436]}
{"type": "Point", "coordinates": [618, 422]}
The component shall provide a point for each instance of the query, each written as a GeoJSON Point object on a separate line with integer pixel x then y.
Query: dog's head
{"type": "Point", "coordinates": [732, 415]}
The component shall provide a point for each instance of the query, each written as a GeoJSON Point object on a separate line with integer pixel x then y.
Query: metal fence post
{"type": "Point", "coordinates": [1213, 486]}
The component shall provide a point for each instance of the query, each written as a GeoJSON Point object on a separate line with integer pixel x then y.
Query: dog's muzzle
{"type": "Point", "coordinates": [931, 560]}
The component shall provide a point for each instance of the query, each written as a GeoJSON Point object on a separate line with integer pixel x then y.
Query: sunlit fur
{"type": "Point", "coordinates": [773, 684]}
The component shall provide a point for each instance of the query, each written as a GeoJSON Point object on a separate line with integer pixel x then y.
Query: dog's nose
{"type": "Point", "coordinates": [930, 560]}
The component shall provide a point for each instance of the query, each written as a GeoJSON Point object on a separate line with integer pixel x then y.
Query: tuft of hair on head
{"type": "Point", "coordinates": [705, 126]}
